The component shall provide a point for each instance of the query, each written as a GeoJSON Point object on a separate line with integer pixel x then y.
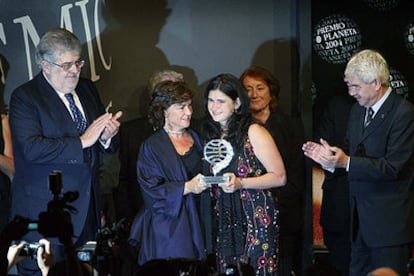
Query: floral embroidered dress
{"type": "Point", "coordinates": [244, 223]}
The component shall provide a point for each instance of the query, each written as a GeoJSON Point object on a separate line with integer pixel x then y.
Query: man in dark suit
{"type": "Point", "coordinates": [380, 167]}
{"type": "Point", "coordinates": [53, 131]}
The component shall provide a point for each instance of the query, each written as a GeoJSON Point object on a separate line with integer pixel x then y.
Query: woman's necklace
{"type": "Point", "coordinates": [174, 132]}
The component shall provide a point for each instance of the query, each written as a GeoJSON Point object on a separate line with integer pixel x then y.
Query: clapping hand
{"type": "Point", "coordinates": [325, 155]}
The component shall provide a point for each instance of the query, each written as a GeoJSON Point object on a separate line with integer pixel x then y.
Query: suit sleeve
{"type": "Point", "coordinates": [28, 121]}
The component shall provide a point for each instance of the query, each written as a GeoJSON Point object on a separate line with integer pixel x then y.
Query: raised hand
{"type": "Point", "coordinates": [325, 155]}
{"type": "Point", "coordinates": [315, 151]}
{"type": "Point", "coordinates": [112, 127]}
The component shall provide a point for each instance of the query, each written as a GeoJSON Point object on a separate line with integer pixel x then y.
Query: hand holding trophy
{"type": "Point", "coordinates": [217, 152]}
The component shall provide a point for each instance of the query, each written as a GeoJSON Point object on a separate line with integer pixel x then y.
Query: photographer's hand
{"type": "Point", "coordinates": [13, 254]}
{"type": "Point", "coordinates": [14, 230]}
{"type": "Point", "coordinates": [45, 257]}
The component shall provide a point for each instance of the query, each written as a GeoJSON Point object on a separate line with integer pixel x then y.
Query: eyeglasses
{"type": "Point", "coordinates": [354, 87]}
{"type": "Point", "coordinates": [357, 87]}
{"type": "Point", "coordinates": [67, 65]}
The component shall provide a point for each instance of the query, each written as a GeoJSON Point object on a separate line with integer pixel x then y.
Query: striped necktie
{"type": "Point", "coordinates": [369, 116]}
{"type": "Point", "coordinates": [78, 118]}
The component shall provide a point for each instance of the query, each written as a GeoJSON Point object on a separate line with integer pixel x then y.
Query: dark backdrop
{"type": "Point", "coordinates": [339, 29]}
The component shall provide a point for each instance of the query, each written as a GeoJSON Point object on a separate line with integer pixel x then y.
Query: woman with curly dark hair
{"type": "Point", "coordinates": [239, 216]}
{"type": "Point", "coordinates": [168, 169]}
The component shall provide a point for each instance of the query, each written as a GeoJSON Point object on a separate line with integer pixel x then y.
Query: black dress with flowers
{"type": "Point", "coordinates": [242, 226]}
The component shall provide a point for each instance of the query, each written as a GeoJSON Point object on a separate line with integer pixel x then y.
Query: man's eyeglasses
{"type": "Point", "coordinates": [67, 65]}
{"type": "Point", "coordinates": [354, 87]}
{"type": "Point", "coordinates": [357, 87]}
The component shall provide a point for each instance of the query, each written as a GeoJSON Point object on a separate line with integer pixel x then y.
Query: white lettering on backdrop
{"type": "Point", "coordinates": [30, 36]}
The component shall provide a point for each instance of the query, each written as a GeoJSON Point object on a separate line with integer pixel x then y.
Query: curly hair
{"type": "Point", "coordinates": [165, 94]}
{"type": "Point", "coordinates": [239, 121]}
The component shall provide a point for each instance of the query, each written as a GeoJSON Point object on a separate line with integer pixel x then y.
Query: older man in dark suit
{"type": "Point", "coordinates": [59, 123]}
{"type": "Point", "coordinates": [380, 167]}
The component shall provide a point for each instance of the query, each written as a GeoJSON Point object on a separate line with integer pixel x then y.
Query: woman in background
{"type": "Point", "coordinates": [6, 159]}
{"type": "Point", "coordinates": [6, 168]}
{"type": "Point", "coordinates": [263, 90]}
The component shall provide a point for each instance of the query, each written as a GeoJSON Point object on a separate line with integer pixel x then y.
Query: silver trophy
{"type": "Point", "coordinates": [217, 152]}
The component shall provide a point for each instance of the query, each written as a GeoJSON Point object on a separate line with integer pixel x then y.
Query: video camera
{"type": "Point", "coordinates": [87, 252]}
{"type": "Point", "coordinates": [56, 221]}
{"type": "Point", "coordinates": [106, 239]}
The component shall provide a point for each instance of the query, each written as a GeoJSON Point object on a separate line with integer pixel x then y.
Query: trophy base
{"type": "Point", "coordinates": [215, 179]}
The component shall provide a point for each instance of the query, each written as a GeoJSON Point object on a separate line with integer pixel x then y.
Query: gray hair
{"type": "Point", "coordinates": [162, 75]}
{"type": "Point", "coordinates": [368, 65]}
{"type": "Point", "coordinates": [56, 42]}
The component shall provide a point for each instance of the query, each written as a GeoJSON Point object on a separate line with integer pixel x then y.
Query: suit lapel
{"type": "Point", "coordinates": [54, 105]}
{"type": "Point", "coordinates": [359, 119]}
{"type": "Point", "coordinates": [381, 115]}
{"type": "Point", "coordinates": [90, 103]}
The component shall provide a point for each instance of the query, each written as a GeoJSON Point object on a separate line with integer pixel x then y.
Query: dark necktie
{"type": "Point", "coordinates": [77, 115]}
{"type": "Point", "coordinates": [368, 117]}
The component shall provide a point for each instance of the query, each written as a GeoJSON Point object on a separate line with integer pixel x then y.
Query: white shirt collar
{"type": "Point", "coordinates": [379, 103]}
